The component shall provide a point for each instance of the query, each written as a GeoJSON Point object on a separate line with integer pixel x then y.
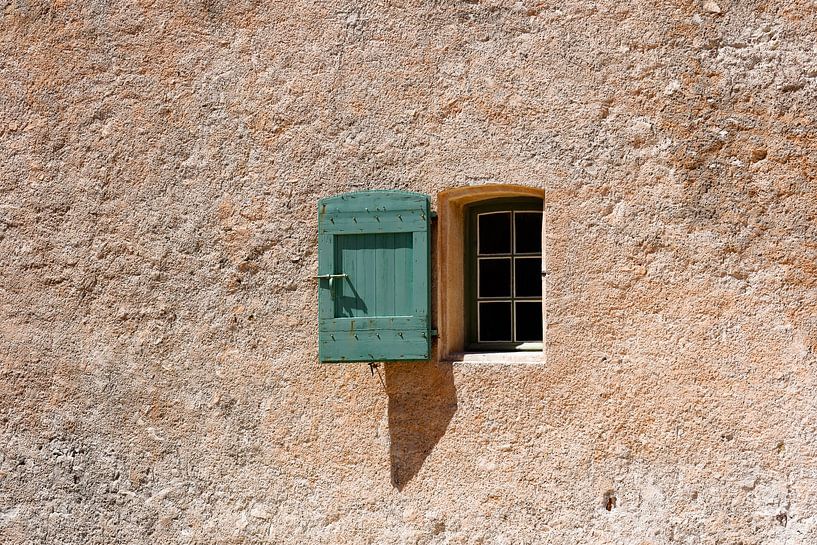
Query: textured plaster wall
{"type": "Point", "coordinates": [159, 169]}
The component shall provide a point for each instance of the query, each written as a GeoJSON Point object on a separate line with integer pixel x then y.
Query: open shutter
{"type": "Point", "coordinates": [374, 270]}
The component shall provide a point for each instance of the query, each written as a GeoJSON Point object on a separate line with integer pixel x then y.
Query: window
{"type": "Point", "coordinates": [503, 253]}
{"type": "Point", "coordinates": [378, 284]}
{"type": "Point", "coordinates": [455, 268]}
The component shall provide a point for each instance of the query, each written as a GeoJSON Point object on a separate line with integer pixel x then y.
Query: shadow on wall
{"type": "Point", "coordinates": [422, 401]}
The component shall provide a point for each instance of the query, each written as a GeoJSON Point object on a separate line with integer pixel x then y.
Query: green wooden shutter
{"type": "Point", "coordinates": [374, 270]}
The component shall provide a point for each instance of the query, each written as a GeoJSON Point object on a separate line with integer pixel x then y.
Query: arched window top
{"type": "Point", "coordinates": [466, 195]}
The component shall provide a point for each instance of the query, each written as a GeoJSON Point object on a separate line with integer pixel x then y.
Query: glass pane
{"type": "Point", "coordinates": [528, 277]}
{"type": "Point", "coordinates": [495, 277]}
{"type": "Point", "coordinates": [495, 322]}
{"type": "Point", "coordinates": [495, 233]}
{"type": "Point", "coordinates": [528, 232]}
{"type": "Point", "coordinates": [529, 321]}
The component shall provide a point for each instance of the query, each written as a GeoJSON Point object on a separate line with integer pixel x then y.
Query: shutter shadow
{"type": "Point", "coordinates": [422, 402]}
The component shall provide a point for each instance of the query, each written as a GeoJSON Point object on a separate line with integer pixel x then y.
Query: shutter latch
{"type": "Point", "coordinates": [331, 278]}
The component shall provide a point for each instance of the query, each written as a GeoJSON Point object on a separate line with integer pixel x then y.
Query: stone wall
{"type": "Point", "coordinates": [160, 165]}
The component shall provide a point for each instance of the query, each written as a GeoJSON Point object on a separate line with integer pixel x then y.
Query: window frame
{"type": "Point", "coordinates": [470, 281]}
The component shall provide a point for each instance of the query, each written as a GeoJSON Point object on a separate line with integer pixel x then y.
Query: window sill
{"type": "Point", "coordinates": [497, 358]}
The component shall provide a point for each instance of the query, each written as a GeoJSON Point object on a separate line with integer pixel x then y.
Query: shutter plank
{"type": "Point", "coordinates": [391, 323]}
{"type": "Point", "coordinates": [366, 223]}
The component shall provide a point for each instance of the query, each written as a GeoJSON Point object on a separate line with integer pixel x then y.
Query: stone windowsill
{"type": "Point", "coordinates": [497, 358]}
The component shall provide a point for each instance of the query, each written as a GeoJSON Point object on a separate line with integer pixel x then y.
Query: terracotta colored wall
{"type": "Point", "coordinates": [160, 169]}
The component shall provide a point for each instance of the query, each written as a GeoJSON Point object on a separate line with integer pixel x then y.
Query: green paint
{"type": "Point", "coordinates": [380, 311]}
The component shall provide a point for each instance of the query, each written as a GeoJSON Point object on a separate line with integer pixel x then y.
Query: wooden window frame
{"type": "Point", "coordinates": [471, 280]}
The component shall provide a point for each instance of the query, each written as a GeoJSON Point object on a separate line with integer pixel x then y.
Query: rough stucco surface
{"type": "Point", "coordinates": [159, 171]}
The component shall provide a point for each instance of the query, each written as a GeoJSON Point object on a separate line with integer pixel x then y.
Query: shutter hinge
{"type": "Point", "coordinates": [434, 333]}
{"type": "Point", "coordinates": [433, 214]}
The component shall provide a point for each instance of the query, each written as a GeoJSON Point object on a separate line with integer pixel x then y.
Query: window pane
{"type": "Point", "coordinates": [495, 233]}
{"type": "Point", "coordinates": [495, 322]}
{"type": "Point", "coordinates": [528, 232]}
{"type": "Point", "coordinates": [495, 277]}
{"type": "Point", "coordinates": [528, 277]}
{"type": "Point", "coordinates": [529, 321]}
